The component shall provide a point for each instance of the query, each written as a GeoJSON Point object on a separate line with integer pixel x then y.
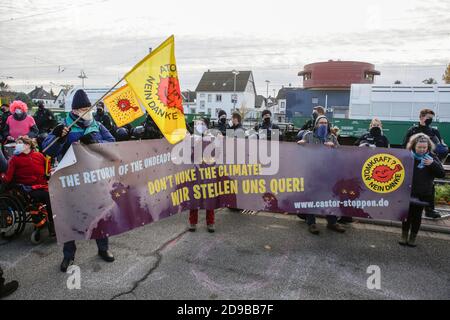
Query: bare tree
{"type": "Point", "coordinates": [3, 86]}
{"type": "Point", "coordinates": [429, 81]}
{"type": "Point", "coordinates": [446, 76]}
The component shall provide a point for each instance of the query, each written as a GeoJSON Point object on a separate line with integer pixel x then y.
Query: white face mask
{"type": "Point", "coordinates": [200, 128]}
{"type": "Point", "coordinates": [88, 116]}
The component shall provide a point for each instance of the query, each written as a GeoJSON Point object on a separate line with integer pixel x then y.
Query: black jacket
{"type": "Point", "coordinates": [269, 127]}
{"type": "Point", "coordinates": [105, 120]}
{"type": "Point", "coordinates": [378, 141]}
{"type": "Point", "coordinates": [3, 119]}
{"type": "Point", "coordinates": [423, 179]}
{"type": "Point", "coordinates": [429, 131]}
{"type": "Point", "coordinates": [45, 120]}
{"type": "Point", "coordinates": [222, 127]}
{"type": "Point", "coordinates": [151, 129]}
{"type": "Point", "coordinates": [309, 125]}
{"type": "Point", "coordinates": [3, 162]}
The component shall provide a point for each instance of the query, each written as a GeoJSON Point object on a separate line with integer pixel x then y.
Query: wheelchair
{"type": "Point", "coordinates": [17, 209]}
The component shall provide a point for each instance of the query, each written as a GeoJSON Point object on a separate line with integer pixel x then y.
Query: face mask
{"type": "Point", "coordinates": [87, 117]}
{"type": "Point", "coordinates": [266, 120]}
{"type": "Point", "coordinates": [41, 107]}
{"type": "Point", "coordinates": [18, 112]}
{"type": "Point", "coordinates": [100, 111]}
{"type": "Point", "coordinates": [428, 122]}
{"type": "Point", "coordinates": [322, 131]}
{"type": "Point", "coordinates": [375, 131]}
{"type": "Point", "coordinates": [19, 149]}
{"type": "Point", "coordinates": [223, 120]}
{"type": "Point", "coordinates": [315, 114]}
{"type": "Point", "coordinates": [200, 128]}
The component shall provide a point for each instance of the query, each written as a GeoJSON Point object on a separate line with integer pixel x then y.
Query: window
{"type": "Point", "coordinates": [209, 111]}
{"type": "Point", "coordinates": [234, 98]}
{"type": "Point", "coordinates": [193, 110]}
{"type": "Point", "coordinates": [202, 104]}
{"type": "Point", "coordinates": [315, 100]}
{"type": "Point", "coordinates": [202, 95]}
{"type": "Point", "coordinates": [218, 98]}
{"type": "Point", "coordinates": [282, 105]}
{"type": "Point", "coordinates": [209, 97]}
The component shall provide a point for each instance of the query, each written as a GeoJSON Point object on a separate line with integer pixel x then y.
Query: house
{"type": "Point", "coordinates": [39, 94]}
{"type": "Point", "coordinates": [60, 100]}
{"type": "Point", "coordinates": [189, 101]}
{"type": "Point", "coordinates": [260, 102]}
{"type": "Point", "coordinates": [225, 90]}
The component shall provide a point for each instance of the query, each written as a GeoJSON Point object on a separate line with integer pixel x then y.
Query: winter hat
{"type": "Point", "coordinates": [222, 113]}
{"type": "Point", "coordinates": [18, 105]}
{"type": "Point", "coordinates": [318, 119]}
{"type": "Point", "coordinates": [80, 100]}
{"type": "Point", "coordinates": [266, 112]}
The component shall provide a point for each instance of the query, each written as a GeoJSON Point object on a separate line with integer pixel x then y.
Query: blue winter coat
{"type": "Point", "coordinates": [97, 131]}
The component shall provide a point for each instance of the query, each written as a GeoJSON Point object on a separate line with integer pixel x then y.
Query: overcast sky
{"type": "Point", "coordinates": [408, 40]}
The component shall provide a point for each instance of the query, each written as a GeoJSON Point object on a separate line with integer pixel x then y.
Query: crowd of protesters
{"type": "Point", "coordinates": [27, 166]}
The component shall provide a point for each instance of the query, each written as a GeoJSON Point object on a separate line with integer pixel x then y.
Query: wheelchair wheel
{"type": "Point", "coordinates": [36, 237]}
{"type": "Point", "coordinates": [12, 217]}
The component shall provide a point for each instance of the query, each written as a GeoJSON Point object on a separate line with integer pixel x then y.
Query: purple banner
{"type": "Point", "coordinates": [107, 189]}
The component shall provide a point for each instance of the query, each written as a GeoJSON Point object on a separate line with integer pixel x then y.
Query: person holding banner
{"type": "Point", "coordinates": [321, 134]}
{"type": "Point", "coordinates": [375, 136]}
{"type": "Point", "coordinates": [200, 130]}
{"type": "Point", "coordinates": [86, 130]}
{"type": "Point", "coordinates": [222, 124]}
{"type": "Point", "coordinates": [427, 167]}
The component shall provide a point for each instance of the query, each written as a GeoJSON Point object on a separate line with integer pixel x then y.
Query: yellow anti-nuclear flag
{"type": "Point", "coordinates": [123, 106]}
{"type": "Point", "coordinates": [155, 82]}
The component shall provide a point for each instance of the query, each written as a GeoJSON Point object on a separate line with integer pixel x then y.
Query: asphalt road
{"type": "Point", "coordinates": [262, 256]}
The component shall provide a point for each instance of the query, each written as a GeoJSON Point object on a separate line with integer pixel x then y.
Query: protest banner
{"type": "Point", "coordinates": [107, 189]}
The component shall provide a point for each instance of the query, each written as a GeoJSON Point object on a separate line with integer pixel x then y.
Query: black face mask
{"type": "Point", "coordinates": [223, 120]}
{"type": "Point", "coordinates": [428, 122]}
{"type": "Point", "coordinates": [267, 120]}
{"type": "Point", "coordinates": [41, 107]}
{"type": "Point", "coordinates": [375, 131]}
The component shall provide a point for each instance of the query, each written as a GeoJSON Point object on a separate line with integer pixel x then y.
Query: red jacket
{"type": "Point", "coordinates": [27, 169]}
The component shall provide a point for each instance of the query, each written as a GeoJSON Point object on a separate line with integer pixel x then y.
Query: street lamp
{"type": "Point", "coordinates": [267, 93]}
{"type": "Point", "coordinates": [234, 90]}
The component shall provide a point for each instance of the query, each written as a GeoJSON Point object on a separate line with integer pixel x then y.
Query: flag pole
{"type": "Point", "coordinates": [87, 111]}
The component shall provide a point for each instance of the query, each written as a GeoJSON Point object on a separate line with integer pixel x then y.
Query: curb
{"type": "Point", "coordinates": [398, 224]}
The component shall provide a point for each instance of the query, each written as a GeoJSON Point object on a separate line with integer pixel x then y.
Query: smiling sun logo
{"type": "Point", "coordinates": [383, 173]}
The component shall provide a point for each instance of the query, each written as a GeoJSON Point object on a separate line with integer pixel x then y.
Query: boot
{"type": "Point", "coordinates": [192, 228]}
{"type": "Point", "coordinates": [65, 264]}
{"type": "Point", "coordinates": [211, 228]}
{"type": "Point", "coordinates": [404, 239]}
{"type": "Point", "coordinates": [7, 289]}
{"type": "Point", "coordinates": [412, 240]}
{"type": "Point", "coordinates": [336, 227]}
{"type": "Point", "coordinates": [106, 256]}
{"type": "Point", "coordinates": [313, 229]}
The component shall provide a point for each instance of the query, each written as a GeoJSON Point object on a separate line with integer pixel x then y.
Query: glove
{"type": "Point", "coordinates": [57, 131]}
{"type": "Point", "coordinates": [88, 139]}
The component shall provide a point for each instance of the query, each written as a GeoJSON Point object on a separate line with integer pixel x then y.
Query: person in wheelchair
{"type": "Point", "coordinates": [27, 169]}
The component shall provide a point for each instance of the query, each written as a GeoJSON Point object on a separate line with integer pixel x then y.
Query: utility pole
{"type": "Point", "coordinates": [234, 90]}
{"type": "Point", "coordinates": [82, 76]}
{"type": "Point", "coordinates": [267, 93]}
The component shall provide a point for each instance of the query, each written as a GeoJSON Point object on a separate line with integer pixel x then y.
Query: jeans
{"type": "Point", "coordinates": [311, 219]}
{"type": "Point", "coordinates": [70, 248]}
